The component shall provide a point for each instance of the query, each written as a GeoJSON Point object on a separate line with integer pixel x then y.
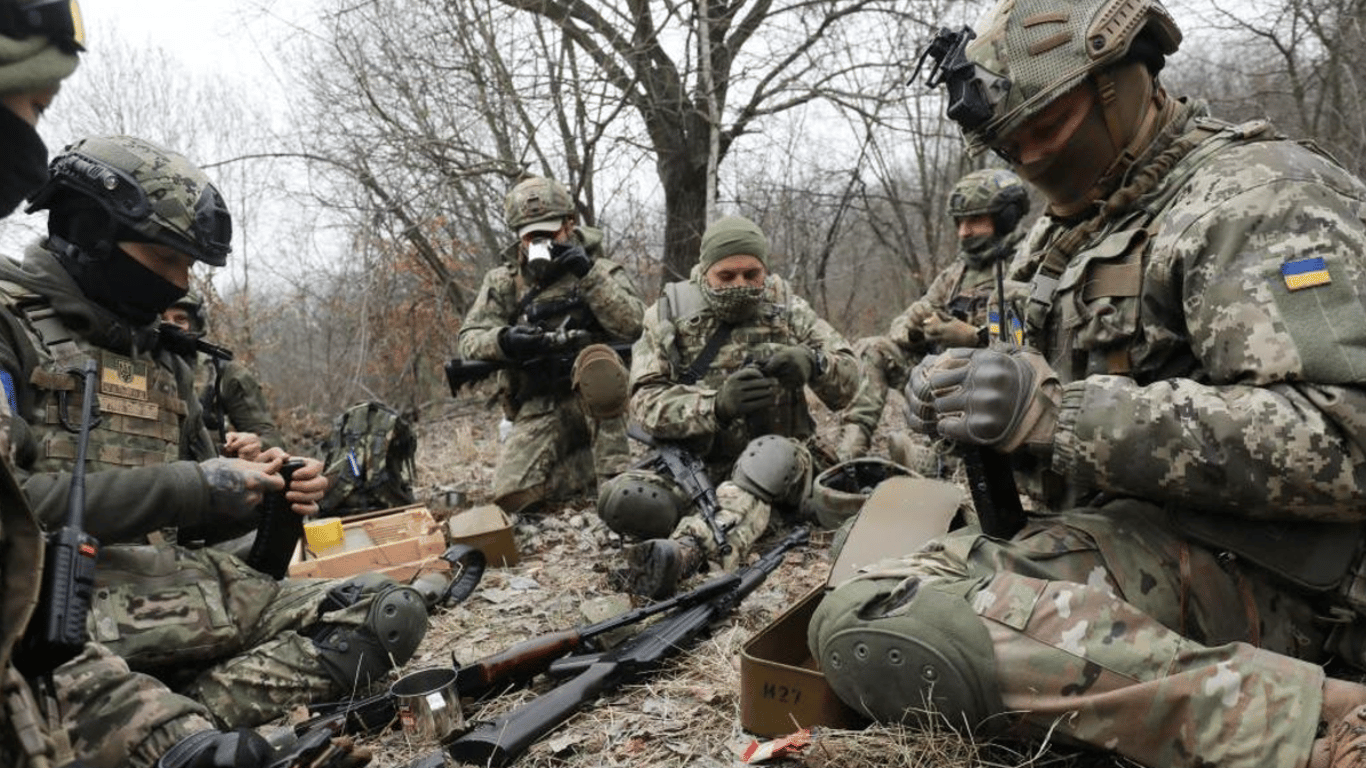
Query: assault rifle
{"type": "Point", "coordinates": [688, 471]}
{"type": "Point", "coordinates": [511, 668]}
{"type": "Point", "coordinates": [501, 741]}
{"type": "Point", "coordinates": [279, 531]}
{"type": "Point", "coordinates": [558, 363]}
{"type": "Point", "coordinates": [57, 631]}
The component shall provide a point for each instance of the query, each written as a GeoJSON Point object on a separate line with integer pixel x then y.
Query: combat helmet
{"type": "Point", "coordinates": [1030, 52]}
{"type": "Point", "coordinates": [536, 200]}
{"type": "Point", "coordinates": [41, 40]}
{"type": "Point", "coordinates": [148, 192]}
{"type": "Point", "coordinates": [991, 192]}
{"type": "Point", "coordinates": [193, 305]}
{"type": "Point", "coordinates": [839, 492]}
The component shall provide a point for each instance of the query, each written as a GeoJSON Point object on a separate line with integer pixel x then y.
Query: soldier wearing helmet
{"type": "Point", "coordinates": [1188, 414]}
{"type": "Point", "coordinates": [957, 310]}
{"type": "Point", "coordinates": [547, 311]}
{"type": "Point", "coordinates": [229, 394]}
{"type": "Point", "coordinates": [127, 219]}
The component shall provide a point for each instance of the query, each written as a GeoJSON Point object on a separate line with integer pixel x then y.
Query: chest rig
{"type": "Point", "coordinates": [703, 350]}
{"type": "Point", "coordinates": [141, 410]}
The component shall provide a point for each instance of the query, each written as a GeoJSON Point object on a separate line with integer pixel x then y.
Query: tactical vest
{"type": "Point", "coordinates": [141, 410]}
{"type": "Point", "coordinates": [1094, 307]}
{"type": "Point", "coordinates": [687, 324]}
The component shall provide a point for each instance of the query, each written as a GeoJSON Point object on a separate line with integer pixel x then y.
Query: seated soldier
{"type": "Point", "coordinates": [723, 366]}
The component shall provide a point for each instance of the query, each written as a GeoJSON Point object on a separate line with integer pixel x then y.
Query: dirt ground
{"type": "Point", "coordinates": [686, 714]}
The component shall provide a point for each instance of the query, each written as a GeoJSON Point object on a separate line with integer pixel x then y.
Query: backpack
{"type": "Point", "coordinates": [369, 461]}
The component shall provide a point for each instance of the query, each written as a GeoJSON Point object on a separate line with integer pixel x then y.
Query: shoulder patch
{"type": "Point", "coordinates": [1305, 273]}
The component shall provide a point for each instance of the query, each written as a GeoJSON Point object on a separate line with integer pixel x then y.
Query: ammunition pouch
{"type": "Point", "coordinates": [1313, 557]}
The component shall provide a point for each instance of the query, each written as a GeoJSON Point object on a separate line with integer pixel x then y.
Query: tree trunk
{"type": "Point", "coordinates": [685, 211]}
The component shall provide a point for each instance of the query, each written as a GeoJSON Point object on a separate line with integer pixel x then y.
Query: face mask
{"type": "Point", "coordinates": [734, 304]}
{"type": "Point", "coordinates": [23, 164]}
{"type": "Point", "coordinates": [976, 243]}
{"type": "Point", "coordinates": [125, 287]}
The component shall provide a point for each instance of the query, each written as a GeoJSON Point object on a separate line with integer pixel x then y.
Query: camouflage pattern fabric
{"type": "Point", "coordinates": [1227, 380]}
{"type": "Point", "coordinates": [239, 396]}
{"type": "Point", "coordinates": [668, 409]}
{"type": "Point", "coordinates": [544, 458]}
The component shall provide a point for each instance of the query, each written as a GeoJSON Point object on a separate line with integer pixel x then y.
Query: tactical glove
{"type": "Point", "coordinates": [743, 392]}
{"type": "Point", "coordinates": [994, 398]}
{"type": "Point", "coordinates": [571, 258]}
{"type": "Point", "coordinates": [522, 342]}
{"type": "Point", "coordinates": [792, 366]}
{"type": "Point", "coordinates": [947, 331]}
{"type": "Point", "coordinates": [920, 413]}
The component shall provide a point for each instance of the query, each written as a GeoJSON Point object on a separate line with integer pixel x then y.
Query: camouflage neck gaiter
{"type": "Point", "coordinates": [736, 304]}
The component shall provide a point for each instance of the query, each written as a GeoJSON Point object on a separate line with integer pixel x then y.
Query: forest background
{"type": "Point", "coordinates": [365, 147]}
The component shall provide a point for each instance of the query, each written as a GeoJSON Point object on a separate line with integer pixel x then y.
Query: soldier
{"type": "Point", "coordinates": [555, 295]}
{"type": "Point", "coordinates": [1192, 399]}
{"type": "Point", "coordinates": [723, 365]}
{"type": "Point", "coordinates": [93, 709]}
{"type": "Point", "coordinates": [956, 311]}
{"type": "Point", "coordinates": [127, 218]}
{"type": "Point", "coordinates": [229, 393]}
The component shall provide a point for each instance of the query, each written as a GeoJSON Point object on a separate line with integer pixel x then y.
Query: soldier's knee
{"type": "Point", "coordinates": [926, 654]}
{"type": "Point", "coordinates": [600, 378]}
{"type": "Point", "coordinates": [360, 654]}
{"type": "Point", "coordinates": [770, 467]}
{"type": "Point", "coordinates": [640, 505]}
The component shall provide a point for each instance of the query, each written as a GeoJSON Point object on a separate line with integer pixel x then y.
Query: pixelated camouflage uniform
{"type": "Point", "coordinates": [217, 630]}
{"type": "Point", "coordinates": [96, 708]}
{"type": "Point", "coordinates": [1205, 400]}
{"type": "Point", "coordinates": [544, 457]}
{"type": "Point", "coordinates": [676, 331]}
{"type": "Point", "coordinates": [962, 290]}
{"type": "Point", "coordinates": [231, 399]}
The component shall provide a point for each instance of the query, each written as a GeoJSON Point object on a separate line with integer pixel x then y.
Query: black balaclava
{"type": "Point", "coordinates": [23, 164]}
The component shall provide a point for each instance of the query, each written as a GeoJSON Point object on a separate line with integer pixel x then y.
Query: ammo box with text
{"type": "Point", "coordinates": [486, 528]}
{"type": "Point", "coordinates": [781, 687]}
{"type": "Point", "coordinates": [397, 542]}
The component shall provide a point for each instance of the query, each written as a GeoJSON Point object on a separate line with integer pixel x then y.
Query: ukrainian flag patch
{"type": "Point", "coordinates": [1305, 273]}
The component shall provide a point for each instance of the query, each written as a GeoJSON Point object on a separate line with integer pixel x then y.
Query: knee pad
{"type": "Point", "coordinates": [362, 654]}
{"type": "Point", "coordinates": [600, 378]}
{"type": "Point", "coordinates": [641, 505]}
{"type": "Point", "coordinates": [932, 659]}
{"type": "Point", "coordinates": [768, 467]}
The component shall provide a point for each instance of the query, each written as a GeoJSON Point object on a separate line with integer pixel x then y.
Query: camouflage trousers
{"type": "Point", "coordinates": [743, 517]}
{"type": "Point", "coordinates": [97, 711]}
{"type": "Point", "coordinates": [215, 629]}
{"type": "Point", "coordinates": [556, 451]}
{"type": "Point", "coordinates": [1106, 629]}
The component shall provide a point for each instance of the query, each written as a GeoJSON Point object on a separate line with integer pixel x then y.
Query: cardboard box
{"type": "Point", "coordinates": [486, 528]}
{"type": "Point", "coordinates": [782, 688]}
{"type": "Point", "coordinates": [397, 542]}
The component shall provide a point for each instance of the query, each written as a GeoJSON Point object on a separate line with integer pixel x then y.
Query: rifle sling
{"type": "Point", "coordinates": [702, 362]}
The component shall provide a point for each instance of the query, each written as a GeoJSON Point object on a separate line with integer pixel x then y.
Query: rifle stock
{"type": "Point", "coordinates": [501, 741]}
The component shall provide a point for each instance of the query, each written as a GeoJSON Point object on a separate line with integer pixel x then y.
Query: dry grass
{"type": "Point", "coordinates": [687, 714]}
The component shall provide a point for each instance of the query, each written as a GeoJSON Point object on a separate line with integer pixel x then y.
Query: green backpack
{"type": "Point", "coordinates": [369, 461]}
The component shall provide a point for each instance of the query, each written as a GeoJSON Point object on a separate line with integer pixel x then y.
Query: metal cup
{"type": "Point", "coordinates": [428, 704]}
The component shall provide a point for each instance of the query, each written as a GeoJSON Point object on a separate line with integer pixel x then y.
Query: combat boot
{"type": "Point", "coordinates": [654, 567]}
{"type": "Point", "coordinates": [1345, 744]}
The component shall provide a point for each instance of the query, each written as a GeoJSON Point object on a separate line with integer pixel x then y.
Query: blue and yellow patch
{"type": "Point", "coordinates": [1305, 273]}
{"type": "Point", "coordinates": [1016, 330]}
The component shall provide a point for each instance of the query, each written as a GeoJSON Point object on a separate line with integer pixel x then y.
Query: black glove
{"type": "Point", "coordinates": [792, 366]}
{"type": "Point", "coordinates": [743, 392]}
{"type": "Point", "coordinates": [522, 342]}
{"type": "Point", "coordinates": [999, 399]}
{"type": "Point", "coordinates": [571, 258]}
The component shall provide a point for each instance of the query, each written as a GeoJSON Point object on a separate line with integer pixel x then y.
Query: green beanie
{"type": "Point", "coordinates": [32, 63]}
{"type": "Point", "coordinates": [730, 236]}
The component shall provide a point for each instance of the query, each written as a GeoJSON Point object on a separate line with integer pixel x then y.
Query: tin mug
{"type": "Point", "coordinates": [428, 705]}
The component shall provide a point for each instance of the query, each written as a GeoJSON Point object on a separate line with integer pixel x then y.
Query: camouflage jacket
{"type": "Point", "coordinates": [232, 400]}
{"type": "Point", "coordinates": [1212, 339]}
{"type": "Point", "coordinates": [604, 303]}
{"type": "Point", "coordinates": [962, 291]}
{"type": "Point", "coordinates": [667, 407]}
{"type": "Point", "coordinates": [143, 467]}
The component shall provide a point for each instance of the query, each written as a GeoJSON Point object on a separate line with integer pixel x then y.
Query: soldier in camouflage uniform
{"type": "Point", "coordinates": [92, 707]}
{"type": "Point", "coordinates": [229, 393]}
{"type": "Point", "coordinates": [554, 295]}
{"type": "Point", "coordinates": [1193, 403]}
{"type": "Point", "coordinates": [126, 220]}
{"type": "Point", "coordinates": [723, 366]}
{"type": "Point", "coordinates": [956, 311]}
